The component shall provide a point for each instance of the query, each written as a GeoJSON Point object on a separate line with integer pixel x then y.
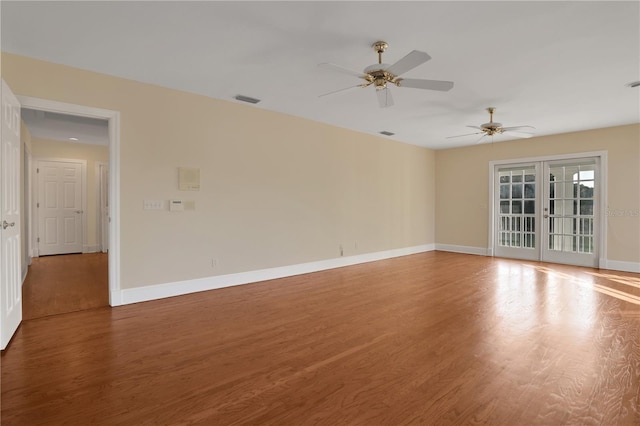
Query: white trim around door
{"type": "Point", "coordinates": [113, 117]}
{"type": "Point", "coordinates": [102, 206]}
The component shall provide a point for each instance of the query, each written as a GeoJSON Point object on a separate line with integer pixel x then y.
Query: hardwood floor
{"type": "Point", "coordinates": [432, 338]}
{"type": "Point", "coordinates": [65, 283]}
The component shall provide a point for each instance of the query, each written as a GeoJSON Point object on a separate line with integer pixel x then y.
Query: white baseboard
{"type": "Point", "coordinates": [614, 265]}
{"type": "Point", "coordinates": [159, 291]}
{"type": "Point", "coordinates": [462, 249]}
{"type": "Point", "coordinates": [618, 265]}
{"type": "Point", "coordinates": [90, 249]}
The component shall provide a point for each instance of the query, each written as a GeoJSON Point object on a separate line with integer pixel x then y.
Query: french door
{"type": "Point", "coordinates": [548, 211]}
{"type": "Point", "coordinates": [570, 212]}
{"type": "Point", "coordinates": [517, 201]}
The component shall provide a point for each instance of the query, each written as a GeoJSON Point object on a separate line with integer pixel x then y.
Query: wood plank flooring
{"type": "Point", "coordinates": [432, 338]}
{"type": "Point", "coordinates": [65, 283]}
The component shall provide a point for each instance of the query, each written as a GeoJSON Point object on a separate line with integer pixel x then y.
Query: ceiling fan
{"type": "Point", "coordinates": [380, 74]}
{"type": "Point", "coordinates": [492, 128]}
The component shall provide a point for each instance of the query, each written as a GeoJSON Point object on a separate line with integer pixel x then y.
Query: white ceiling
{"type": "Point", "coordinates": [558, 66]}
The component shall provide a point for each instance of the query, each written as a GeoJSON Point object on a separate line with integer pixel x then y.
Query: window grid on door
{"type": "Point", "coordinates": [517, 208]}
{"type": "Point", "coordinates": [571, 208]}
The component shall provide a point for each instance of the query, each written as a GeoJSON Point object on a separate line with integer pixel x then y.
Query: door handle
{"type": "Point", "coordinates": [78, 211]}
{"type": "Point", "coordinates": [546, 216]}
{"type": "Point", "coordinates": [6, 224]}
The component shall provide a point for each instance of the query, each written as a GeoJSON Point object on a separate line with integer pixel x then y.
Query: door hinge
{"type": "Point", "coordinates": [38, 240]}
{"type": "Point", "coordinates": [38, 205]}
{"type": "Point", "coordinates": [38, 170]}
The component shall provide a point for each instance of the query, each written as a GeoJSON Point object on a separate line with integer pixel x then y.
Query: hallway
{"type": "Point", "coordinates": [65, 283]}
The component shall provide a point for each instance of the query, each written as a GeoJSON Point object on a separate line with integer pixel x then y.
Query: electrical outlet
{"type": "Point", "coordinates": [214, 263]}
{"type": "Point", "coordinates": [355, 245]}
{"type": "Point", "coordinates": [341, 250]}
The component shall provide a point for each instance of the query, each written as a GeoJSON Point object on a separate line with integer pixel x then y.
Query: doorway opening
{"type": "Point", "coordinates": [68, 153]}
{"type": "Point", "coordinates": [72, 218]}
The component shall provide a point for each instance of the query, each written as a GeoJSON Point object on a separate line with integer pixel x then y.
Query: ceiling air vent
{"type": "Point", "coordinates": [247, 99]}
{"type": "Point", "coordinates": [386, 133]}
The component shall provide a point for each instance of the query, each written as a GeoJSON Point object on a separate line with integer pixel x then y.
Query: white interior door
{"type": "Point", "coordinates": [10, 268]}
{"type": "Point", "coordinates": [59, 207]}
{"type": "Point", "coordinates": [571, 213]}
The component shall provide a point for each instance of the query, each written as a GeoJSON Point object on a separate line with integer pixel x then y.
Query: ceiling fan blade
{"type": "Point", "coordinates": [409, 62]}
{"type": "Point", "coordinates": [418, 83]}
{"type": "Point", "coordinates": [339, 90]}
{"type": "Point", "coordinates": [384, 97]}
{"type": "Point", "coordinates": [481, 137]}
{"type": "Point", "coordinates": [518, 128]}
{"type": "Point", "coordinates": [459, 136]}
{"type": "Point", "coordinates": [475, 127]}
{"type": "Point", "coordinates": [334, 67]}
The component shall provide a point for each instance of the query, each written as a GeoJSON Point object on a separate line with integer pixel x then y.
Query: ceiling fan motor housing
{"type": "Point", "coordinates": [379, 77]}
{"type": "Point", "coordinates": [492, 128]}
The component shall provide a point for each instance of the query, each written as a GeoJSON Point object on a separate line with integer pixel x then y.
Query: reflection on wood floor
{"type": "Point", "coordinates": [65, 283]}
{"type": "Point", "coordinates": [432, 338]}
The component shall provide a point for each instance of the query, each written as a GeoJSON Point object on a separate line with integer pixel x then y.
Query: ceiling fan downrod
{"type": "Point", "coordinates": [491, 110]}
{"type": "Point", "coordinates": [380, 47]}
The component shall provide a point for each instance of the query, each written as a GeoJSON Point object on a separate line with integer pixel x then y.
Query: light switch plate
{"type": "Point", "coordinates": [153, 205]}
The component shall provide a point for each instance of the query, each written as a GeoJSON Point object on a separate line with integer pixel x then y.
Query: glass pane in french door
{"type": "Point", "coordinates": [516, 212]}
{"type": "Point", "coordinates": [571, 212]}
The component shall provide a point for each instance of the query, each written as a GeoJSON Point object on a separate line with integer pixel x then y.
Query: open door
{"type": "Point", "coordinates": [10, 268]}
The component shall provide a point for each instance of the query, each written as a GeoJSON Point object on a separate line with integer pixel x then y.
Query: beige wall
{"type": "Point", "coordinates": [93, 155]}
{"type": "Point", "coordinates": [462, 177]}
{"type": "Point", "coordinates": [275, 189]}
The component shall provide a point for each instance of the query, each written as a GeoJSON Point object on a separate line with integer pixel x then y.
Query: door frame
{"type": "Point", "coordinates": [113, 119]}
{"type": "Point", "coordinates": [602, 202]}
{"type": "Point", "coordinates": [27, 218]}
{"type": "Point", "coordinates": [102, 219]}
{"type": "Point", "coordinates": [83, 194]}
